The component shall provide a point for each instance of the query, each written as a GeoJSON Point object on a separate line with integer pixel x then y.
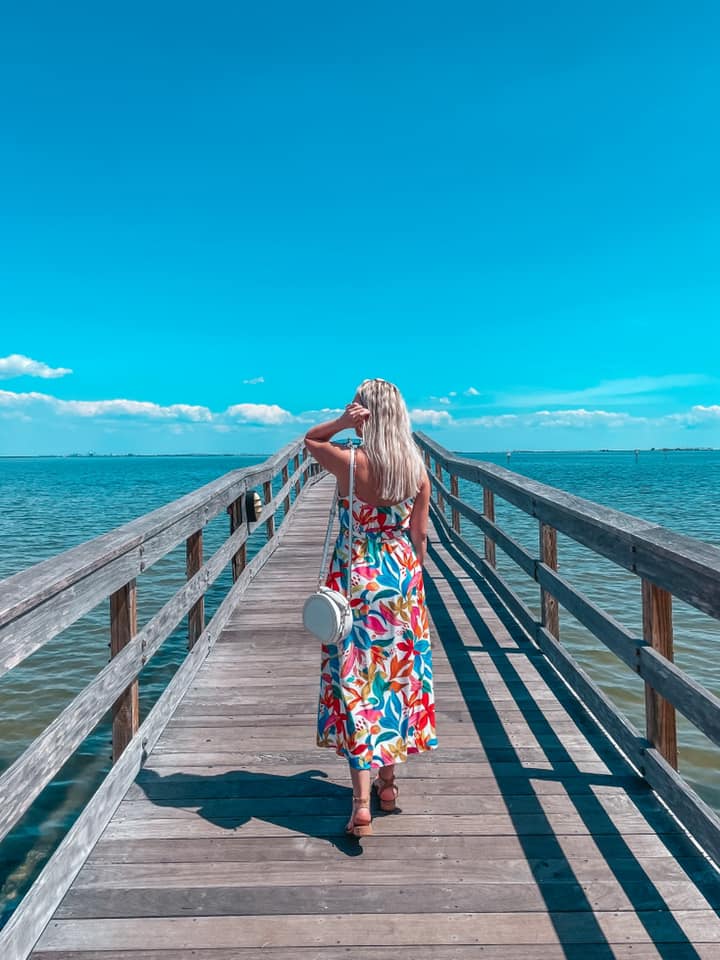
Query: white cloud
{"type": "Point", "coordinates": [434, 417]}
{"type": "Point", "coordinates": [443, 400]}
{"type": "Point", "coordinates": [134, 408]}
{"type": "Point", "coordinates": [253, 380]}
{"type": "Point", "coordinates": [452, 393]}
{"type": "Point", "coordinates": [553, 418]}
{"type": "Point", "coordinates": [697, 414]}
{"type": "Point", "coordinates": [104, 408]}
{"type": "Point", "coordinates": [268, 414]}
{"type": "Point", "coordinates": [628, 390]}
{"type": "Point", "coordinates": [17, 365]}
{"type": "Point", "coordinates": [472, 392]}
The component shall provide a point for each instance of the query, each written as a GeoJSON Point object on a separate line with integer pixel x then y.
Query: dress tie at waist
{"type": "Point", "coordinates": [391, 533]}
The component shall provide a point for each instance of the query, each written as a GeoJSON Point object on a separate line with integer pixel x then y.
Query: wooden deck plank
{"type": "Point", "coordinates": [620, 951]}
{"type": "Point", "coordinates": [524, 830]}
{"type": "Point", "coordinates": [322, 929]}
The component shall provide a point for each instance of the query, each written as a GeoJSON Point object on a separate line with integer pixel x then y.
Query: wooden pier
{"type": "Point", "coordinates": [218, 834]}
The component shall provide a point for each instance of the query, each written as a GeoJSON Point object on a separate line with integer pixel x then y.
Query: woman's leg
{"type": "Point", "coordinates": [386, 788]}
{"type": "Point", "coordinates": [361, 791]}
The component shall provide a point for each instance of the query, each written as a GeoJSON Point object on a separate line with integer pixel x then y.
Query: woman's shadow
{"type": "Point", "coordinates": [304, 803]}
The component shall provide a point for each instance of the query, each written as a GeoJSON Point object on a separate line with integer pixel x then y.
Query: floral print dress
{"type": "Point", "coordinates": [376, 690]}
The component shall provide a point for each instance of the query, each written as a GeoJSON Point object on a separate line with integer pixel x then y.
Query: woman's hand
{"type": "Point", "coordinates": [355, 415]}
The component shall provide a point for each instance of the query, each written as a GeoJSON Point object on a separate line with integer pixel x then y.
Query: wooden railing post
{"type": "Point", "coordinates": [270, 522]}
{"type": "Point", "coordinates": [286, 501]}
{"type": "Point", "coordinates": [235, 510]}
{"type": "Point", "coordinates": [549, 610]}
{"type": "Point", "coordinates": [193, 562]}
{"type": "Point", "coordinates": [296, 464]}
{"type": "Point", "coordinates": [489, 513]}
{"type": "Point", "coordinates": [660, 717]}
{"type": "Point", "coordinates": [123, 627]}
{"type": "Point", "coordinates": [455, 491]}
{"type": "Point", "coordinates": [439, 475]}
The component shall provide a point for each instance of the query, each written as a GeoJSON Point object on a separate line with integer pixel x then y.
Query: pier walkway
{"type": "Point", "coordinates": [525, 836]}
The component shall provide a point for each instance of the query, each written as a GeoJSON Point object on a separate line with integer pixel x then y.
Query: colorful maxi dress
{"type": "Point", "coordinates": [376, 689]}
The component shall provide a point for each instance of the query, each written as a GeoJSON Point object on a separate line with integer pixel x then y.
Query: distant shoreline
{"type": "Point", "coordinates": [504, 452]}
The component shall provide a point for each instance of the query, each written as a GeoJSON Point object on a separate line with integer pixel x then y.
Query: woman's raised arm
{"type": "Point", "coordinates": [317, 439]}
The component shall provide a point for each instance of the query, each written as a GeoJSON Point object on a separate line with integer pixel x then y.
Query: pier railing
{"type": "Point", "coordinates": [668, 565]}
{"type": "Point", "coordinates": [39, 603]}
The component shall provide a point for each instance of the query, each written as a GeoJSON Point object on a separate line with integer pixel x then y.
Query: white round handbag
{"type": "Point", "coordinates": [327, 613]}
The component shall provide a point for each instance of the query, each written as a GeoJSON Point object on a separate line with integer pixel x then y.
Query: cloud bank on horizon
{"type": "Point", "coordinates": [455, 419]}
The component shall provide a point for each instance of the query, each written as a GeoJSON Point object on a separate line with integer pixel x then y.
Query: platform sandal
{"type": "Point", "coordinates": [382, 785]}
{"type": "Point", "coordinates": [359, 829]}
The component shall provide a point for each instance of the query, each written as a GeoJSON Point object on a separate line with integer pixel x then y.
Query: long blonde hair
{"type": "Point", "coordinates": [395, 462]}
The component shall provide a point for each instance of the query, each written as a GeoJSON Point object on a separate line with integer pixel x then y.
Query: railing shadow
{"type": "Point", "coordinates": [645, 899]}
{"type": "Point", "coordinates": [232, 799]}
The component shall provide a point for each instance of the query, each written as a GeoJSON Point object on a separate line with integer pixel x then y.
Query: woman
{"type": "Point", "coordinates": [376, 693]}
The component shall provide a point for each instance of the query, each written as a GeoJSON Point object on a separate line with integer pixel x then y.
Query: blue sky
{"type": "Point", "coordinates": [222, 216]}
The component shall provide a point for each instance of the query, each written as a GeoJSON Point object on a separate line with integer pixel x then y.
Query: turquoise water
{"type": "Point", "coordinates": [49, 505]}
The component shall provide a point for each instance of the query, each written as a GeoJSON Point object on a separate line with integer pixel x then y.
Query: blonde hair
{"type": "Point", "coordinates": [396, 464]}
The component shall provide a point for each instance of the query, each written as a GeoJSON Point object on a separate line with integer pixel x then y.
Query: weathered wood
{"type": "Point", "coordinates": [562, 814]}
{"type": "Point", "coordinates": [33, 770]}
{"type": "Point", "coordinates": [549, 556]}
{"type": "Point", "coordinates": [286, 501]}
{"type": "Point", "coordinates": [616, 637]}
{"type": "Point", "coordinates": [29, 919]}
{"type": "Point", "coordinates": [508, 927]}
{"type": "Point", "coordinates": [686, 567]}
{"type": "Point", "coordinates": [454, 951]}
{"type": "Point", "coordinates": [687, 696]}
{"type": "Point", "coordinates": [296, 464]}
{"type": "Point", "coordinates": [270, 522]}
{"type": "Point", "coordinates": [524, 559]}
{"type": "Point", "coordinates": [513, 603]}
{"type": "Point", "coordinates": [439, 475]}
{"type": "Point", "coordinates": [235, 511]}
{"type": "Point", "coordinates": [454, 489]}
{"type": "Point", "coordinates": [193, 563]}
{"type": "Point", "coordinates": [658, 632]}
{"type": "Point", "coordinates": [38, 603]}
{"type": "Point", "coordinates": [123, 627]}
{"type": "Point", "coordinates": [692, 811]}
{"type": "Point", "coordinates": [592, 697]}
{"type": "Point", "coordinates": [489, 513]}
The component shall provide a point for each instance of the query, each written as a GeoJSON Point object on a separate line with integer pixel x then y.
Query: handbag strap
{"type": "Point", "coordinates": [351, 524]}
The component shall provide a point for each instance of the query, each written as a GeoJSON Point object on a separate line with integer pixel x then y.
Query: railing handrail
{"type": "Point", "coordinates": [617, 536]}
{"type": "Point", "coordinates": [684, 566]}
{"type": "Point", "coordinates": [27, 589]}
{"type": "Point", "coordinates": [116, 684]}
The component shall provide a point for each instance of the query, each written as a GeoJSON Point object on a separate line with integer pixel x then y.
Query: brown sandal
{"type": "Point", "coordinates": [382, 784]}
{"type": "Point", "coordinates": [359, 829]}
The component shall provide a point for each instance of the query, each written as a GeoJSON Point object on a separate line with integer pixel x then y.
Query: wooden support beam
{"type": "Point", "coordinates": [489, 514]}
{"type": "Point", "coordinates": [550, 612]}
{"type": "Point", "coordinates": [439, 475]}
{"type": "Point", "coordinates": [193, 562]}
{"type": "Point", "coordinates": [455, 491]}
{"type": "Point", "coordinates": [270, 522]}
{"type": "Point", "coordinates": [239, 560]}
{"type": "Point", "coordinates": [123, 627]}
{"type": "Point", "coordinates": [660, 719]}
{"type": "Point", "coordinates": [286, 501]}
{"type": "Point", "coordinates": [296, 463]}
